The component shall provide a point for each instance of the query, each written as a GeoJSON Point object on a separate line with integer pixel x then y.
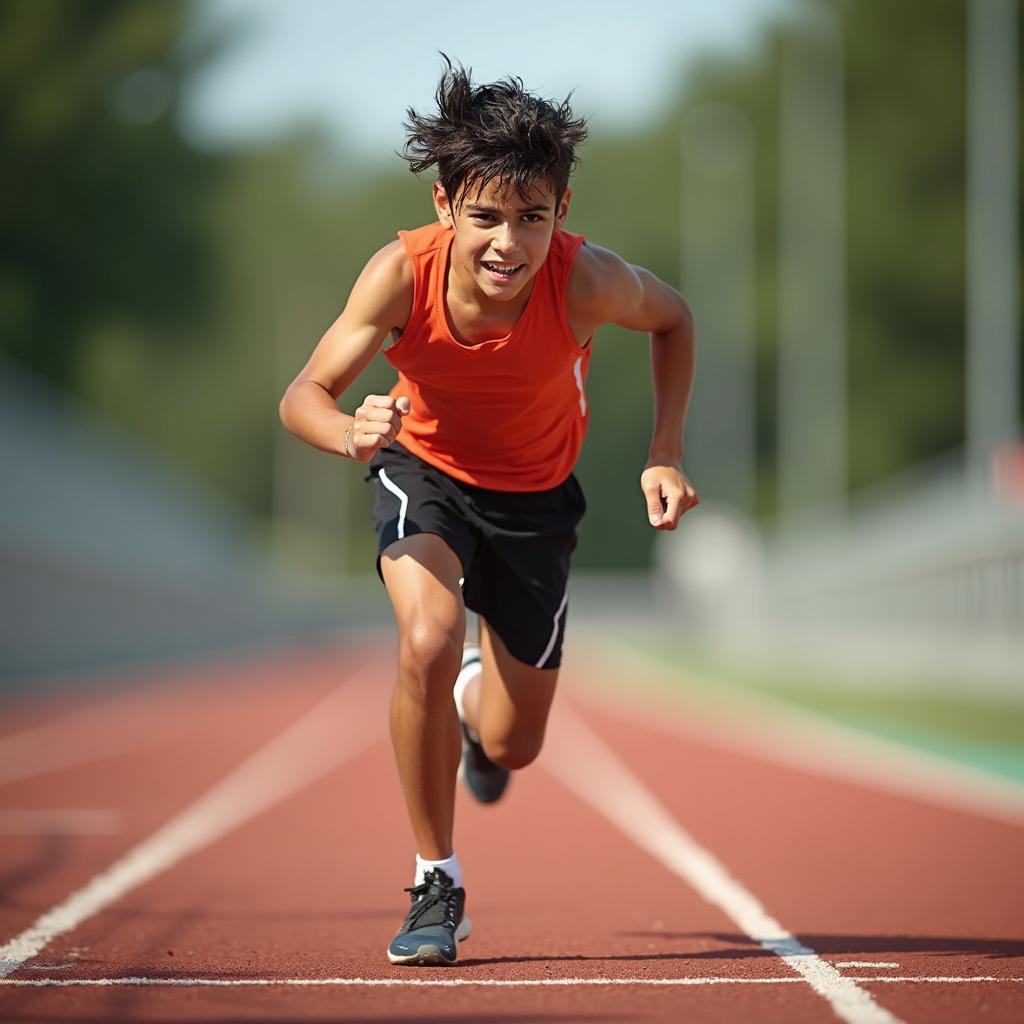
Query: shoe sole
{"type": "Point", "coordinates": [431, 956]}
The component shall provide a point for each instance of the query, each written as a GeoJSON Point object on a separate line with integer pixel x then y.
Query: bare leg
{"type": "Point", "coordinates": [508, 704]}
{"type": "Point", "coordinates": [422, 577]}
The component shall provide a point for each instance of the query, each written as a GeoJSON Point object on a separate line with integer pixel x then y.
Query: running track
{"type": "Point", "coordinates": [226, 842]}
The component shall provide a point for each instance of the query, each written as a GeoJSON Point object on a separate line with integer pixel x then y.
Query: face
{"type": "Point", "coordinates": [501, 240]}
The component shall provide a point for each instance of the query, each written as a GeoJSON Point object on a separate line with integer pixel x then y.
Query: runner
{"type": "Point", "coordinates": [491, 311]}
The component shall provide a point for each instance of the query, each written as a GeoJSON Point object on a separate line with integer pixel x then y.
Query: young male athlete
{"type": "Point", "coordinates": [492, 311]}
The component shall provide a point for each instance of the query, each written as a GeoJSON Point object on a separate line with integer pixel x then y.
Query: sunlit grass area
{"type": "Point", "coordinates": [946, 716]}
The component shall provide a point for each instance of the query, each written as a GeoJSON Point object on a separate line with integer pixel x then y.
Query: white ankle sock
{"type": "Point", "coordinates": [462, 680]}
{"type": "Point", "coordinates": [450, 866]}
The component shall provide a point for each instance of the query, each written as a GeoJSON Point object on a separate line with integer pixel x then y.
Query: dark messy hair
{"type": "Point", "coordinates": [497, 132]}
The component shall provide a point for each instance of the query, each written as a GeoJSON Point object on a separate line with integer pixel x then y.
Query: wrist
{"type": "Point", "coordinates": [347, 444]}
{"type": "Point", "coordinates": [665, 457]}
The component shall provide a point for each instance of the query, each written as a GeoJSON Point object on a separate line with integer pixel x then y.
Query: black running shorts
{"type": "Point", "coordinates": [514, 546]}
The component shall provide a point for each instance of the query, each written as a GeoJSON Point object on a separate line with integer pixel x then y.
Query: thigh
{"type": "Point", "coordinates": [422, 575]}
{"type": "Point", "coordinates": [515, 697]}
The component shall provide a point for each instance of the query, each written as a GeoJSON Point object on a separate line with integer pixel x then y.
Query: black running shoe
{"type": "Point", "coordinates": [436, 922]}
{"type": "Point", "coordinates": [486, 780]}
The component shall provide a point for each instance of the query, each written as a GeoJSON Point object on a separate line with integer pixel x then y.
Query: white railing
{"type": "Point", "coordinates": [924, 577]}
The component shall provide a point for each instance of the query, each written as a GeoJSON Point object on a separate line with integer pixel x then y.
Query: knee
{"type": "Point", "coordinates": [513, 752]}
{"type": "Point", "coordinates": [429, 656]}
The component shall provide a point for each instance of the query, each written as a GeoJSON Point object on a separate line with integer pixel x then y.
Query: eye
{"type": "Point", "coordinates": [532, 218]}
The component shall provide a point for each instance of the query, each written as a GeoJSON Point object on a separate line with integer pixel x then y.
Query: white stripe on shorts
{"type": "Point", "coordinates": [554, 632]}
{"type": "Point", "coordinates": [403, 499]}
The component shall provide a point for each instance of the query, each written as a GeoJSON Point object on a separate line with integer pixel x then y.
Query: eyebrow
{"type": "Point", "coordinates": [480, 208]}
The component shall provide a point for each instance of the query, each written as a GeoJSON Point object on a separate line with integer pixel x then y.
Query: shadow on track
{"type": "Point", "coordinates": [830, 945]}
{"type": "Point", "coordinates": [577, 957]}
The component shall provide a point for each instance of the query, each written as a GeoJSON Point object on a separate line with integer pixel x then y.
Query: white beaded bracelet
{"type": "Point", "coordinates": [348, 437]}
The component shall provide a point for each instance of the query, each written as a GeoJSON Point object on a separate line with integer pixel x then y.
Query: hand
{"type": "Point", "coordinates": [668, 494]}
{"type": "Point", "coordinates": [376, 425]}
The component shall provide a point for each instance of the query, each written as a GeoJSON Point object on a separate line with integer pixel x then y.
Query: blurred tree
{"type": "Point", "coordinates": [103, 216]}
{"type": "Point", "coordinates": [906, 161]}
{"type": "Point", "coordinates": [626, 198]}
{"type": "Point", "coordinates": [905, 139]}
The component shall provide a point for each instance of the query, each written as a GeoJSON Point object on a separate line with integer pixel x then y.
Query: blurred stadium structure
{"type": "Point", "coordinates": [922, 584]}
{"type": "Point", "coordinates": [110, 554]}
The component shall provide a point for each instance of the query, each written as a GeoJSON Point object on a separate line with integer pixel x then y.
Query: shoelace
{"type": "Point", "coordinates": [430, 896]}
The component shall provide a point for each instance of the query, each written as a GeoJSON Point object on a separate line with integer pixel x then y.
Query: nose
{"type": "Point", "coordinates": [504, 239]}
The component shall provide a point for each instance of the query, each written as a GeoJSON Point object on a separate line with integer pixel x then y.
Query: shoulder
{"type": "Point", "coordinates": [387, 282]}
{"type": "Point", "coordinates": [601, 284]}
{"type": "Point", "coordinates": [389, 266]}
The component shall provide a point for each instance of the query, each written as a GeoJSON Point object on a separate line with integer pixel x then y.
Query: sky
{"type": "Point", "coordinates": [357, 66]}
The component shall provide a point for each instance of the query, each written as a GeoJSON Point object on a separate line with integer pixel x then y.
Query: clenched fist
{"type": "Point", "coordinates": [377, 422]}
{"type": "Point", "coordinates": [668, 494]}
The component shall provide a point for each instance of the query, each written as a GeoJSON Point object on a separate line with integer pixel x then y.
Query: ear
{"type": "Point", "coordinates": [563, 207]}
{"type": "Point", "coordinates": [443, 206]}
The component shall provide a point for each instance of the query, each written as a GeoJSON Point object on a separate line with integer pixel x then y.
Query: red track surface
{"type": "Point", "coordinates": [311, 888]}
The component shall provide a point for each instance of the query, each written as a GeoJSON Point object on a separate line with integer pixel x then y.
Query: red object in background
{"type": "Point", "coordinates": [1008, 472]}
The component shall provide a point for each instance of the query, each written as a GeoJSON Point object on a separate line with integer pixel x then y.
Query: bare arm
{"type": "Point", "coordinates": [379, 303]}
{"type": "Point", "coordinates": [613, 291]}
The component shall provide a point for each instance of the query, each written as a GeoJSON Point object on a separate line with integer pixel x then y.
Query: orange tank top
{"type": "Point", "coordinates": [508, 414]}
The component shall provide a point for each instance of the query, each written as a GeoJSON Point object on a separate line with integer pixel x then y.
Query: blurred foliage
{"type": "Point", "coordinates": [105, 217]}
{"type": "Point", "coordinates": [905, 213]}
{"type": "Point", "coordinates": [180, 291]}
{"type": "Point", "coordinates": [905, 227]}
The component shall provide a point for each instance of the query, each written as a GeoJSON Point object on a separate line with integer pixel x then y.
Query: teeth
{"type": "Point", "coordinates": [506, 270]}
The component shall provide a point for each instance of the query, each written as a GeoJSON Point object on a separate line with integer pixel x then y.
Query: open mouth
{"type": "Point", "coordinates": [502, 271]}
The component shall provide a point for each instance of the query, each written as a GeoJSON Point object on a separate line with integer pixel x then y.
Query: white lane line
{"type": "Point", "coordinates": [56, 822]}
{"type": "Point", "coordinates": [864, 963]}
{"type": "Point", "coordinates": [334, 730]}
{"type": "Point", "coordinates": [451, 982]}
{"type": "Point", "coordinates": [582, 762]}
